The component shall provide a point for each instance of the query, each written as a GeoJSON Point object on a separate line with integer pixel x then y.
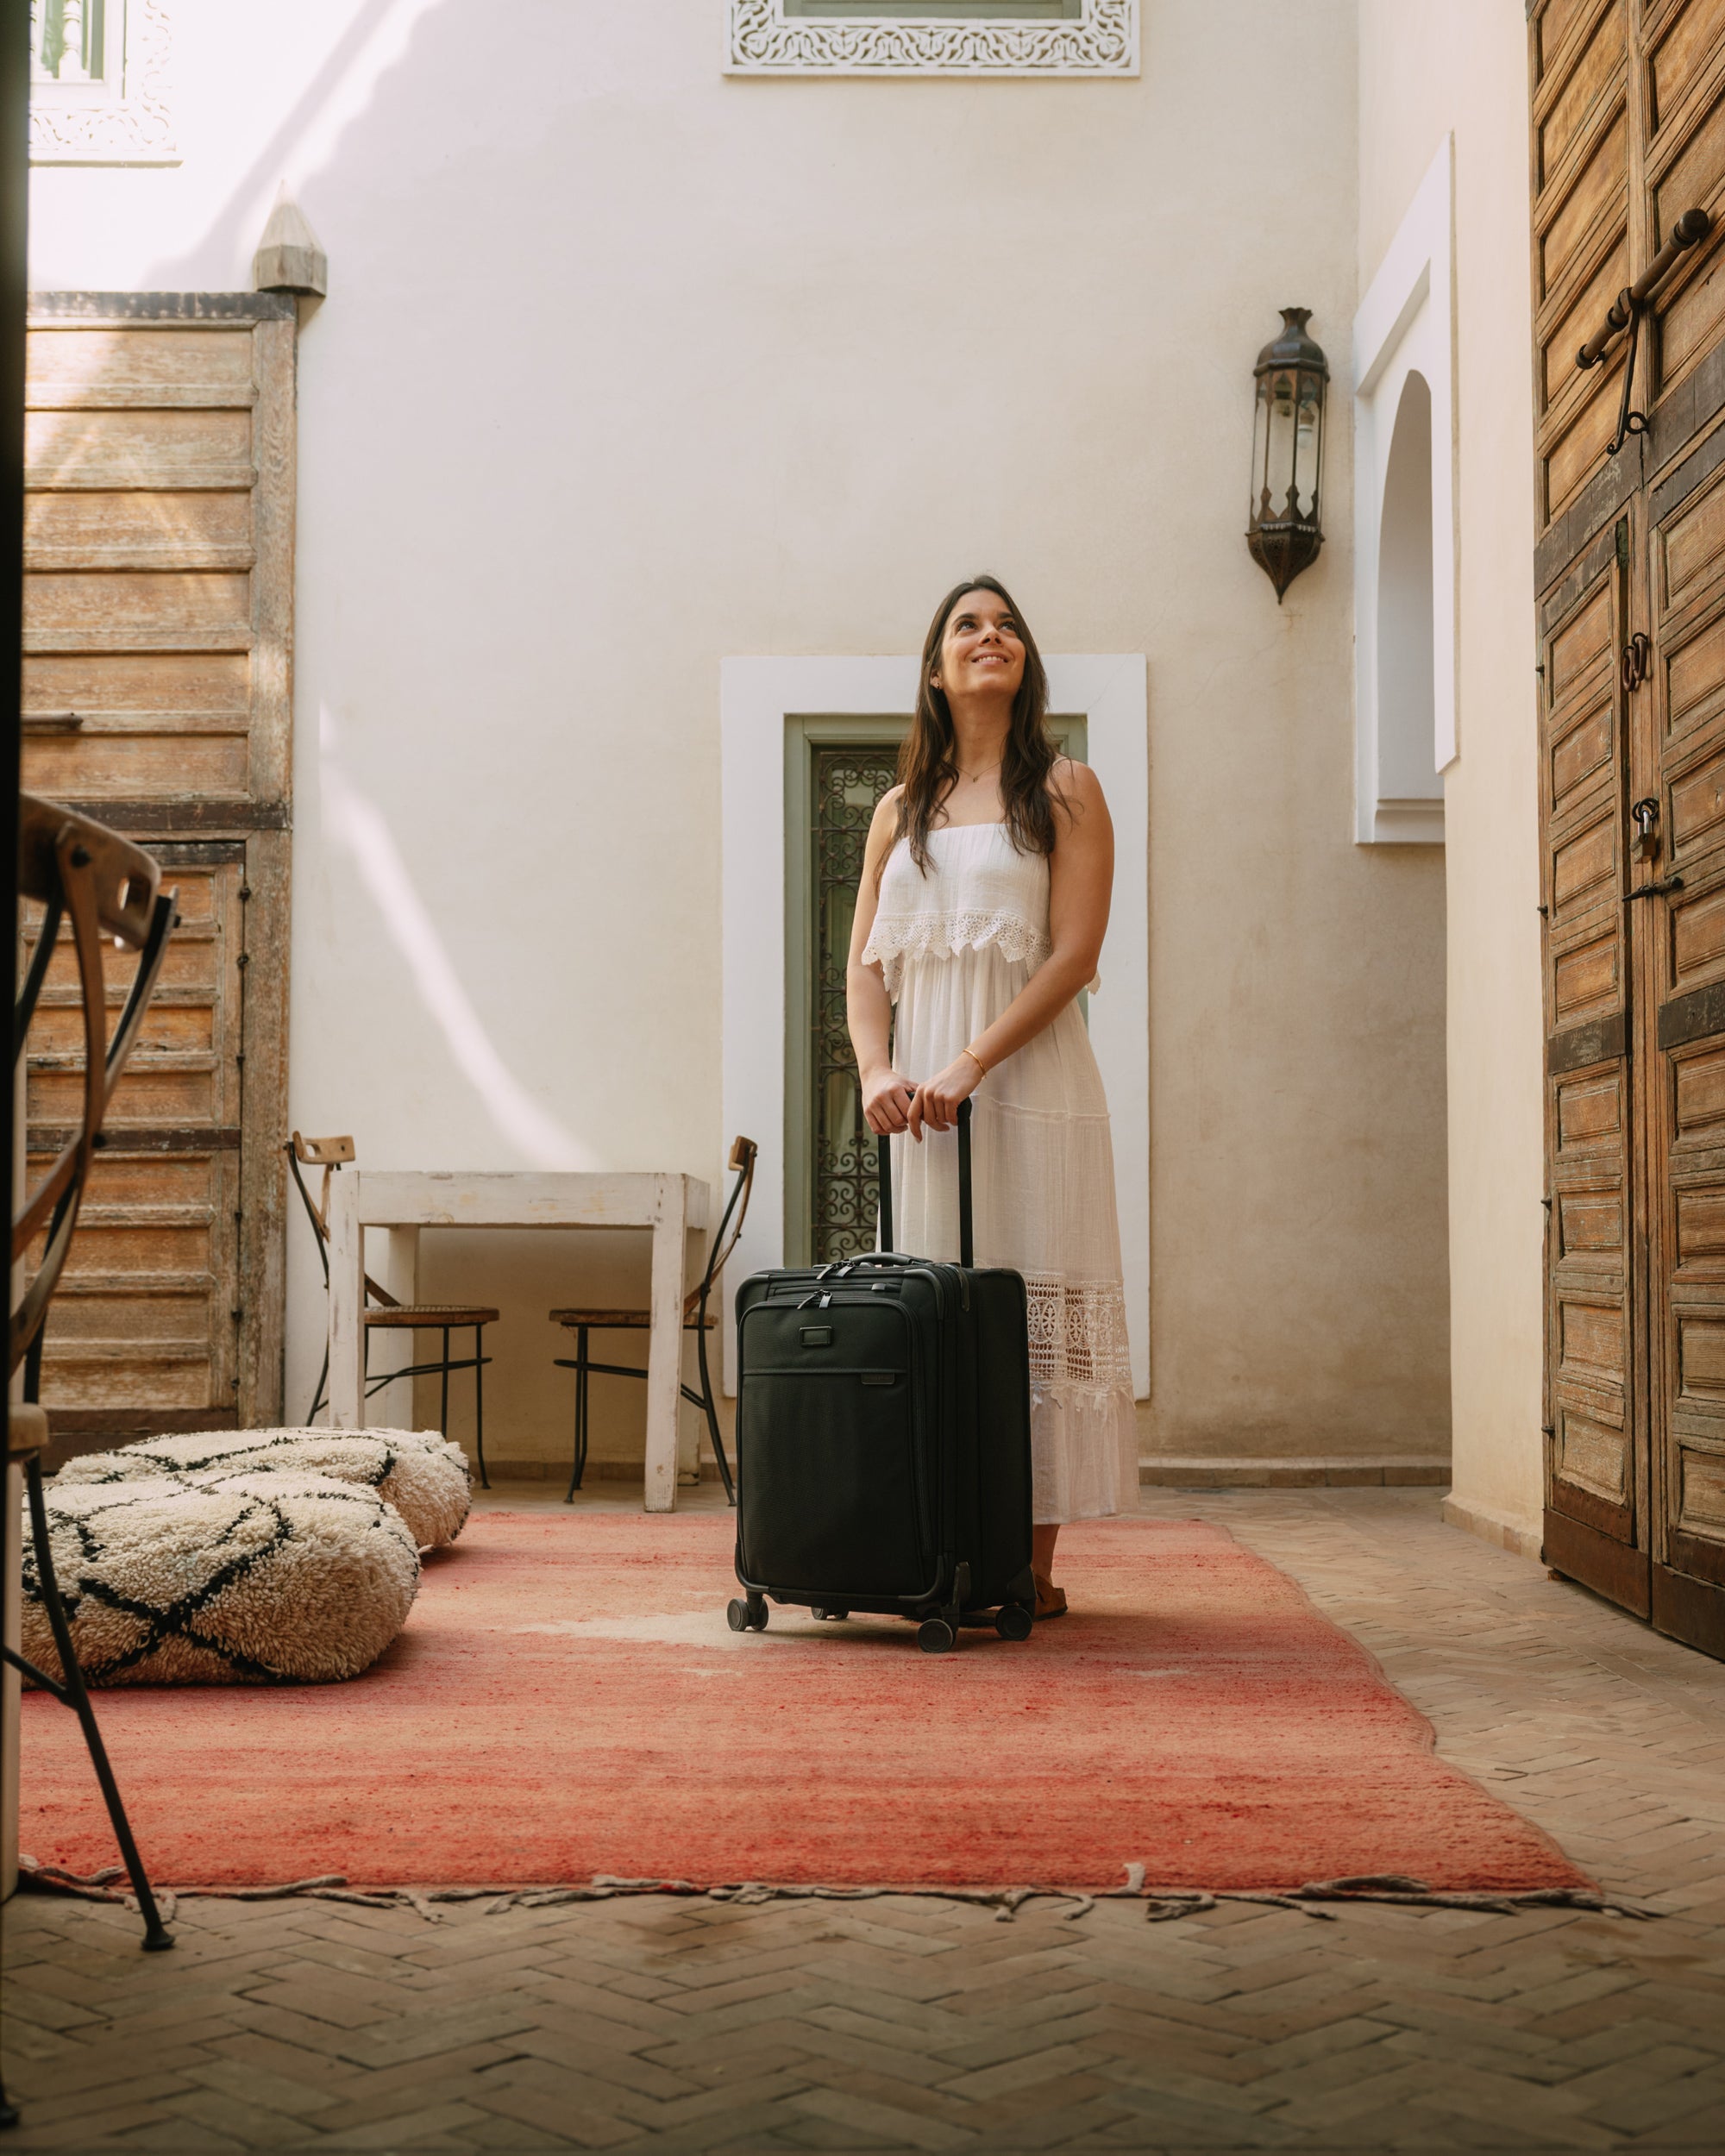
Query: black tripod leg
{"type": "Point", "coordinates": [575, 1444]}
{"type": "Point", "coordinates": [712, 1412]}
{"type": "Point", "coordinates": [583, 1404]}
{"type": "Point", "coordinates": [156, 1934]}
{"type": "Point", "coordinates": [323, 1380]}
{"type": "Point", "coordinates": [478, 1402]}
{"type": "Point", "coordinates": [443, 1412]}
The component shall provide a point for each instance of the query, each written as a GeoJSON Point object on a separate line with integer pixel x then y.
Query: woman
{"type": "Point", "coordinates": [983, 903]}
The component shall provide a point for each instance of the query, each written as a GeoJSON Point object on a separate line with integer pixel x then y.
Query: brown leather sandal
{"type": "Point", "coordinates": [1050, 1601]}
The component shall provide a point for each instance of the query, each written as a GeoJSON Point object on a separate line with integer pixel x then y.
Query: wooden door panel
{"type": "Point", "coordinates": [1585, 217]}
{"type": "Point", "coordinates": [1592, 1463]}
{"type": "Point", "coordinates": [139, 531]}
{"type": "Point", "coordinates": [1584, 748]}
{"type": "Point", "coordinates": [1689, 549]}
{"type": "Point", "coordinates": [1584, 862]}
{"type": "Point", "coordinates": [1627, 133]}
{"type": "Point", "coordinates": [1591, 1444]}
{"type": "Point", "coordinates": [1579, 74]}
{"type": "Point", "coordinates": [1692, 677]}
{"type": "Point", "coordinates": [1697, 1536]}
{"type": "Point", "coordinates": [1591, 1226]}
{"type": "Point", "coordinates": [1573, 442]}
{"type": "Point", "coordinates": [1692, 308]}
{"type": "Point", "coordinates": [1553, 28]}
{"type": "Point", "coordinates": [1583, 186]}
{"type": "Point", "coordinates": [1681, 50]}
{"type": "Point", "coordinates": [1587, 977]}
{"type": "Point", "coordinates": [1696, 794]}
{"type": "Point", "coordinates": [1567, 324]}
{"type": "Point", "coordinates": [1685, 989]}
{"type": "Point", "coordinates": [159, 526]}
{"type": "Point", "coordinates": [145, 1309]}
{"type": "Point", "coordinates": [95, 447]}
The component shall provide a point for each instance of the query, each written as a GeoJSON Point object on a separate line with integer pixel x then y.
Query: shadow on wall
{"type": "Point", "coordinates": [232, 231]}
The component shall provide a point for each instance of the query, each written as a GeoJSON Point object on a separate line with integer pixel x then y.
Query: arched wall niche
{"type": "Point", "coordinates": [1406, 757]}
{"type": "Point", "coordinates": [1406, 733]}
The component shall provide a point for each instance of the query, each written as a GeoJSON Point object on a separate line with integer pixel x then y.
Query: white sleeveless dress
{"type": "Point", "coordinates": [955, 947]}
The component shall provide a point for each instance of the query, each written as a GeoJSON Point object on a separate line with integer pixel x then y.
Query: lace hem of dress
{"type": "Point", "coordinates": [900, 935]}
{"type": "Point", "coordinates": [1077, 1332]}
{"type": "Point", "coordinates": [1083, 1452]}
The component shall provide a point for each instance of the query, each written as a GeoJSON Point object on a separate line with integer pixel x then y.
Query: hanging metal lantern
{"type": "Point", "coordinates": [1282, 526]}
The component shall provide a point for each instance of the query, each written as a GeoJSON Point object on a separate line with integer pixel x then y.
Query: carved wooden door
{"type": "Point", "coordinates": [1595, 1407]}
{"type": "Point", "coordinates": [1629, 176]}
{"type": "Point", "coordinates": [158, 596]}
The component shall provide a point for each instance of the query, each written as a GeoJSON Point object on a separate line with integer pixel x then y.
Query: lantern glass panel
{"type": "Point", "coordinates": [1282, 439]}
{"type": "Point", "coordinates": [1308, 445]}
{"type": "Point", "coordinates": [1260, 504]}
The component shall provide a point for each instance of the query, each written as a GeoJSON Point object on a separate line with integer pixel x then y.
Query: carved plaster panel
{"type": "Point", "coordinates": [125, 118]}
{"type": "Point", "coordinates": [764, 39]}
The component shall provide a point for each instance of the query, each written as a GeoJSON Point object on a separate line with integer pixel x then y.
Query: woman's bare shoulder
{"type": "Point", "coordinates": [883, 827]}
{"type": "Point", "coordinates": [1075, 787]}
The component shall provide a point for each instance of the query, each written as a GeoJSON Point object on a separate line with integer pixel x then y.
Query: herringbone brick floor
{"type": "Point", "coordinates": [910, 2024]}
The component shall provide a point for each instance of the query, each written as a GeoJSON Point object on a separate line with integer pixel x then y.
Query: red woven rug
{"type": "Point", "coordinates": [568, 1700]}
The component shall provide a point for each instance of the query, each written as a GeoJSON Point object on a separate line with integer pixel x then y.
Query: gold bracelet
{"type": "Point", "coordinates": [975, 1059]}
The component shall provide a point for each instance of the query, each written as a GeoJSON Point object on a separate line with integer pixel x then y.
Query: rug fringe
{"type": "Point", "coordinates": [1160, 1904]}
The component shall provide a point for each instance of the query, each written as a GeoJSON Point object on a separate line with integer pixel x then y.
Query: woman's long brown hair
{"type": "Point", "coordinates": [928, 762]}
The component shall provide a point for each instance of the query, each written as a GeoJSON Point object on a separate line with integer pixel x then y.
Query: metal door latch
{"type": "Point", "coordinates": [1636, 654]}
{"type": "Point", "coordinates": [1655, 890]}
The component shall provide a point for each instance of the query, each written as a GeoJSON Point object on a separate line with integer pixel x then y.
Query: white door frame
{"type": "Point", "coordinates": [756, 698]}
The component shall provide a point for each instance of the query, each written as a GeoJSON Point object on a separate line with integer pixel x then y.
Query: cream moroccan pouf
{"type": "Point", "coordinates": [425, 1476]}
{"type": "Point", "coordinates": [231, 1579]}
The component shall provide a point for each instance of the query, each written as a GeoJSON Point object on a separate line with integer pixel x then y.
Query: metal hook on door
{"type": "Point", "coordinates": [1625, 312]}
{"type": "Point", "coordinates": [1628, 421]}
{"type": "Point", "coordinates": [1636, 654]}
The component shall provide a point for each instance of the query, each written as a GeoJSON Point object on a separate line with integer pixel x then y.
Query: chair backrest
{"type": "Point", "coordinates": [78, 870]}
{"type": "Point", "coordinates": [329, 1154]}
{"type": "Point", "coordinates": [742, 1153]}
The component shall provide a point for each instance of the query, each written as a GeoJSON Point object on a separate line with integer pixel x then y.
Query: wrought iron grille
{"type": "Point", "coordinates": [848, 782]}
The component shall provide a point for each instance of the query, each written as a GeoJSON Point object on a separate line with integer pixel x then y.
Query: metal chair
{"type": "Point", "coordinates": [697, 1319]}
{"type": "Point", "coordinates": [331, 1155]}
{"type": "Point", "coordinates": [76, 870]}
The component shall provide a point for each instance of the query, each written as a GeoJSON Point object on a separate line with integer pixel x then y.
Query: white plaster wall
{"type": "Point", "coordinates": [1423, 72]}
{"type": "Point", "coordinates": [627, 366]}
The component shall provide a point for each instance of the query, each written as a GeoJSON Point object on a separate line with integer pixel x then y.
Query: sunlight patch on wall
{"type": "Point", "coordinates": [358, 825]}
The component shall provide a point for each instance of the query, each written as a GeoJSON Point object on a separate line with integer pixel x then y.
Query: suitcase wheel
{"type": "Point", "coordinates": [935, 1635]}
{"type": "Point", "coordinates": [827, 1609]}
{"type": "Point", "coordinates": [749, 1616]}
{"type": "Point", "coordinates": [1014, 1621]}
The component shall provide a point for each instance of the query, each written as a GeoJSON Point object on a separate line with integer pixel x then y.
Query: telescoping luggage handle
{"type": "Point", "coordinates": [967, 1241]}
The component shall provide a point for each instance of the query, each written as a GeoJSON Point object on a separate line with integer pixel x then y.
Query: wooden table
{"type": "Point", "coordinates": [672, 1206]}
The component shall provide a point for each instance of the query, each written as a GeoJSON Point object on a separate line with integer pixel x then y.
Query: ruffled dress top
{"type": "Point", "coordinates": [955, 947]}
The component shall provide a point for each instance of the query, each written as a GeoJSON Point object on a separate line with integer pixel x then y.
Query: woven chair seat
{"type": "Point", "coordinates": [422, 1314]}
{"type": "Point", "coordinates": [621, 1320]}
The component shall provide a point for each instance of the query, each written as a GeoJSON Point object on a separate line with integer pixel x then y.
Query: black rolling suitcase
{"type": "Point", "coordinates": [884, 1438]}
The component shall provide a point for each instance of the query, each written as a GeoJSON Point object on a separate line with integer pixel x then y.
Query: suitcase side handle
{"type": "Point", "coordinates": [967, 1239]}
